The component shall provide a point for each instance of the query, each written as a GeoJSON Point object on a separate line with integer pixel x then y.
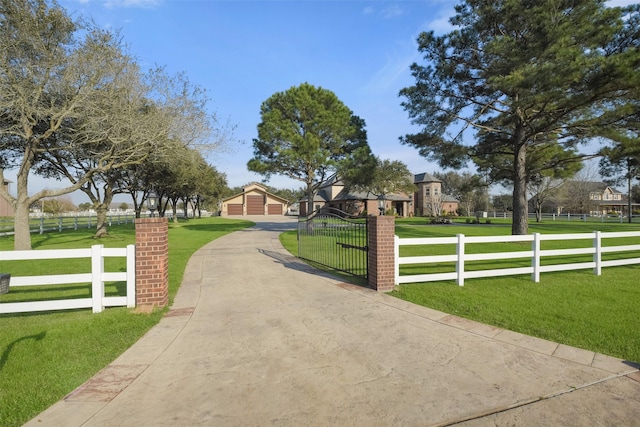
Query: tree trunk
{"type": "Point", "coordinates": [629, 206]}
{"type": "Point", "coordinates": [101, 221]}
{"type": "Point", "coordinates": [174, 209]}
{"type": "Point", "coordinates": [101, 216]}
{"type": "Point", "coordinates": [309, 199]}
{"type": "Point", "coordinates": [22, 233]}
{"type": "Point", "coordinates": [22, 236]}
{"type": "Point", "coordinates": [520, 223]}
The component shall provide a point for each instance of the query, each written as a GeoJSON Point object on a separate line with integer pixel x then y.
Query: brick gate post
{"type": "Point", "coordinates": [152, 262]}
{"type": "Point", "coordinates": [381, 256]}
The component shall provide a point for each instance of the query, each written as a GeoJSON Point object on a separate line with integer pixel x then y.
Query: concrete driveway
{"type": "Point", "coordinates": [257, 338]}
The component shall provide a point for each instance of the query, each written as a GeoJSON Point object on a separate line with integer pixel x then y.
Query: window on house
{"type": "Point", "coordinates": [427, 192]}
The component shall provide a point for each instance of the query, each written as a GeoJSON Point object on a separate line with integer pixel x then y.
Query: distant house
{"type": "Point", "coordinates": [588, 197]}
{"type": "Point", "coordinates": [254, 200]}
{"type": "Point", "coordinates": [5, 208]}
{"type": "Point", "coordinates": [427, 200]}
{"type": "Point", "coordinates": [332, 193]}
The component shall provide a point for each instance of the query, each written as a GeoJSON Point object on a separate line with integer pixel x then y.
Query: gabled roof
{"type": "Point", "coordinates": [331, 181]}
{"type": "Point", "coordinates": [259, 187]}
{"type": "Point", "coordinates": [424, 177]}
{"type": "Point", "coordinates": [366, 195]}
{"type": "Point", "coordinates": [592, 186]}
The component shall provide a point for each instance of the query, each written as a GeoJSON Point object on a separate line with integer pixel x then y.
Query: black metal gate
{"type": "Point", "coordinates": [332, 238]}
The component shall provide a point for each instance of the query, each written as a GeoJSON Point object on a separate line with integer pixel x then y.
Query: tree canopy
{"type": "Point", "coordinates": [519, 84]}
{"type": "Point", "coordinates": [386, 177]}
{"type": "Point", "coordinates": [75, 106]}
{"type": "Point", "coordinates": [305, 133]}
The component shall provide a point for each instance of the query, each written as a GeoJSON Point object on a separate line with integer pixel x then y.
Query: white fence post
{"type": "Point", "coordinates": [460, 260]}
{"type": "Point", "coordinates": [597, 255]}
{"type": "Point", "coordinates": [97, 284]}
{"type": "Point", "coordinates": [131, 276]}
{"type": "Point", "coordinates": [536, 258]}
{"type": "Point", "coordinates": [396, 259]}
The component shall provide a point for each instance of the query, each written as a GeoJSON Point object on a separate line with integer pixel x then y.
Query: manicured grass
{"type": "Point", "coordinates": [574, 308]}
{"type": "Point", "coordinates": [598, 313]}
{"type": "Point", "coordinates": [44, 356]}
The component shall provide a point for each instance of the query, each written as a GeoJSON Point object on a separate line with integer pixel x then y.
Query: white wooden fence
{"type": "Point", "coordinates": [535, 254]}
{"type": "Point", "coordinates": [46, 223]}
{"type": "Point", "coordinates": [97, 277]}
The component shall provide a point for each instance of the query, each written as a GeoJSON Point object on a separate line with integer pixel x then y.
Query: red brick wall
{"type": "Point", "coordinates": [381, 256]}
{"type": "Point", "coordinates": [152, 262]}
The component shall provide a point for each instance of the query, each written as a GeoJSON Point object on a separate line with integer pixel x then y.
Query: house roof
{"type": "Point", "coordinates": [367, 195]}
{"type": "Point", "coordinates": [332, 180]}
{"type": "Point", "coordinates": [424, 177]}
{"type": "Point", "coordinates": [260, 187]}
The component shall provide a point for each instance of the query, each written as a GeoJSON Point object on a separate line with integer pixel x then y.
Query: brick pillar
{"type": "Point", "coordinates": [152, 262]}
{"type": "Point", "coordinates": [381, 256]}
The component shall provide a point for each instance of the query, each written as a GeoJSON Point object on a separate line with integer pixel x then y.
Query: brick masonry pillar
{"type": "Point", "coordinates": [381, 256]}
{"type": "Point", "coordinates": [152, 262]}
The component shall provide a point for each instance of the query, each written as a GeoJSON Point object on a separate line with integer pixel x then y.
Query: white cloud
{"type": "Point", "coordinates": [392, 11]}
{"type": "Point", "coordinates": [440, 24]}
{"type": "Point", "coordinates": [396, 66]}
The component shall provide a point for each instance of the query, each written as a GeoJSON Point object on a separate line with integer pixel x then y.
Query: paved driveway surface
{"type": "Point", "coordinates": [256, 338]}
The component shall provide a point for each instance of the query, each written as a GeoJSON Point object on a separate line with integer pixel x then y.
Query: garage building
{"type": "Point", "coordinates": [254, 200]}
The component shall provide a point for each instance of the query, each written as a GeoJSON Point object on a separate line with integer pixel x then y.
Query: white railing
{"type": "Point", "coordinates": [64, 222]}
{"type": "Point", "coordinates": [535, 255]}
{"type": "Point", "coordinates": [97, 277]}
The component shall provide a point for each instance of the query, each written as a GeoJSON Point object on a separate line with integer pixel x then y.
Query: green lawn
{"type": "Point", "coordinates": [598, 313]}
{"type": "Point", "coordinates": [44, 356]}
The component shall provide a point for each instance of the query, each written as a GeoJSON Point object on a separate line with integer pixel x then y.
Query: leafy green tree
{"type": "Point", "coordinates": [621, 163]}
{"type": "Point", "coordinates": [85, 206]}
{"type": "Point", "coordinates": [635, 193]}
{"type": "Point", "coordinates": [52, 68]}
{"type": "Point", "coordinates": [466, 188]}
{"type": "Point", "coordinates": [541, 191]}
{"type": "Point", "coordinates": [521, 77]}
{"type": "Point", "coordinates": [502, 202]}
{"type": "Point", "coordinates": [387, 177]}
{"type": "Point", "coordinates": [305, 133]}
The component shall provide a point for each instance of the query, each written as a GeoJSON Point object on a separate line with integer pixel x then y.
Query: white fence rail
{"type": "Point", "coordinates": [45, 223]}
{"type": "Point", "coordinates": [97, 277]}
{"type": "Point", "coordinates": [564, 217]}
{"type": "Point", "coordinates": [535, 254]}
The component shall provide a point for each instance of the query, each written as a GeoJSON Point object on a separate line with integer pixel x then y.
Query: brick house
{"type": "Point", "coordinates": [332, 193]}
{"type": "Point", "coordinates": [588, 197]}
{"type": "Point", "coordinates": [427, 200]}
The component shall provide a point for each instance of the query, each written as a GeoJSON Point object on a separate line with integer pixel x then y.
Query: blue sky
{"type": "Point", "coordinates": [242, 52]}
